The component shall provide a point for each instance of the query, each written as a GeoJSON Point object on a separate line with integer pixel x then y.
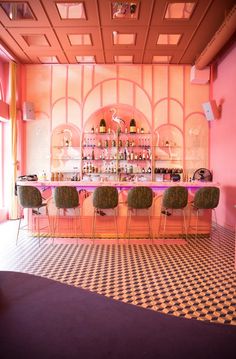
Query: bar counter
{"type": "Point", "coordinates": [123, 184]}
{"type": "Point", "coordinates": [85, 191]}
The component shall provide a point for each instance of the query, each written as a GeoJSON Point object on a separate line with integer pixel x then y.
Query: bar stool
{"type": "Point", "coordinates": [139, 198]}
{"type": "Point", "coordinates": [66, 197]}
{"type": "Point", "coordinates": [206, 198]}
{"type": "Point", "coordinates": [30, 197]}
{"type": "Point", "coordinates": [105, 197]}
{"type": "Point", "coordinates": [174, 198]}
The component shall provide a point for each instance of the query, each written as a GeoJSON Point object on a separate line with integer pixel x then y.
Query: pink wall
{"type": "Point", "coordinates": [5, 137]}
{"type": "Point", "coordinates": [222, 137]}
{"type": "Point", "coordinates": [162, 95]}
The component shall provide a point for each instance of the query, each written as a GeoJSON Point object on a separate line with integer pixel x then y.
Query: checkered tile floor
{"type": "Point", "coordinates": [192, 280]}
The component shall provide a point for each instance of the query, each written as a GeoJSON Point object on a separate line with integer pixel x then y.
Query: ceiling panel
{"type": "Point", "coordinates": [146, 21]}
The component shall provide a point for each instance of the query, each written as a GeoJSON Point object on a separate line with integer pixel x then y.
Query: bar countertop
{"type": "Point", "coordinates": [123, 184]}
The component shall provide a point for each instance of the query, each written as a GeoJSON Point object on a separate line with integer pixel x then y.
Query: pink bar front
{"type": "Point", "coordinates": [105, 223]}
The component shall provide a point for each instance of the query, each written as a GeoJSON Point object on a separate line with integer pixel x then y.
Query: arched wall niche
{"type": "Point", "coordinates": [168, 146]}
{"type": "Point", "coordinates": [168, 111]}
{"type": "Point", "coordinates": [123, 111]}
{"type": "Point", "coordinates": [119, 92]}
{"type": "Point", "coordinates": [65, 149]}
{"type": "Point", "coordinates": [66, 132]}
{"type": "Point", "coordinates": [64, 109]}
{"type": "Point", "coordinates": [170, 134]}
{"type": "Point", "coordinates": [58, 113]}
{"type": "Point", "coordinates": [196, 141]}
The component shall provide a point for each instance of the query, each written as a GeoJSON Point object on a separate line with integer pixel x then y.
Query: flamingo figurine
{"type": "Point", "coordinates": [115, 118]}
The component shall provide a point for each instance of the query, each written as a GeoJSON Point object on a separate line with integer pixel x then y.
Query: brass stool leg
{"type": "Point", "coordinates": [75, 225]}
{"type": "Point", "coordinates": [129, 224]}
{"type": "Point", "coordinates": [126, 222]}
{"type": "Point", "coordinates": [149, 224]}
{"type": "Point", "coordinates": [159, 227]}
{"type": "Point", "coordinates": [49, 222]}
{"type": "Point", "coordinates": [197, 224]}
{"type": "Point", "coordinates": [37, 226]}
{"type": "Point", "coordinates": [165, 215]}
{"type": "Point", "coordinates": [18, 230]}
{"type": "Point", "coordinates": [56, 222]}
{"type": "Point", "coordinates": [116, 226]}
{"type": "Point", "coordinates": [184, 221]}
{"type": "Point", "coordinates": [93, 224]}
{"type": "Point", "coordinates": [218, 233]}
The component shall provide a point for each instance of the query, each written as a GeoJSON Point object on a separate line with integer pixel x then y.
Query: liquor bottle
{"type": "Point", "coordinates": [102, 126]}
{"type": "Point", "coordinates": [125, 155]}
{"type": "Point", "coordinates": [92, 154]}
{"type": "Point", "coordinates": [132, 155]}
{"type": "Point", "coordinates": [132, 126]}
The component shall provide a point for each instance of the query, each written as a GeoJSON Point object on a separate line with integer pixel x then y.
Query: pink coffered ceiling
{"type": "Point", "coordinates": [105, 31]}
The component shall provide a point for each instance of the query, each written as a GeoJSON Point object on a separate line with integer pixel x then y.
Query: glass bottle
{"type": "Point", "coordinates": [102, 126]}
{"type": "Point", "coordinates": [132, 155]}
{"type": "Point", "coordinates": [132, 126]}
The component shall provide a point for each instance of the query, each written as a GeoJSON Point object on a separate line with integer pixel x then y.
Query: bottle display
{"type": "Point", "coordinates": [116, 155]}
{"type": "Point", "coordinates": [99, 154]}
{"type": "Point", "coordinates": [102, 126]}
{"type": "Point", "coordinates": [132, 126]}
{"type": "Point", "coordinates": [66, 151]}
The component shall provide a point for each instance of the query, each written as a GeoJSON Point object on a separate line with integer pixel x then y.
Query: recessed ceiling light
{"type": "Point", "coordinates": [71, 10]}
{"type": "Point", "coordinates": [124, 39]}
{"type": "Point", "coordinates": [85, 59]}
{"type": "Point", "coordinates": [168, 39]}
{"type": "Point", "coordinates": [48, 59]}
{"type": "Point", "coordinates": [17, 10]}
{"type": "Point", "coordinates": [123, 59]}
{"type": "Point", "coordinates": [80, 39]}
{"type": "Point", "coordinates": [36, 40]}
{"type": "Point", "coordinates": [182, 10]}
{"type": "Point", "coordinates": [161, 59]}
